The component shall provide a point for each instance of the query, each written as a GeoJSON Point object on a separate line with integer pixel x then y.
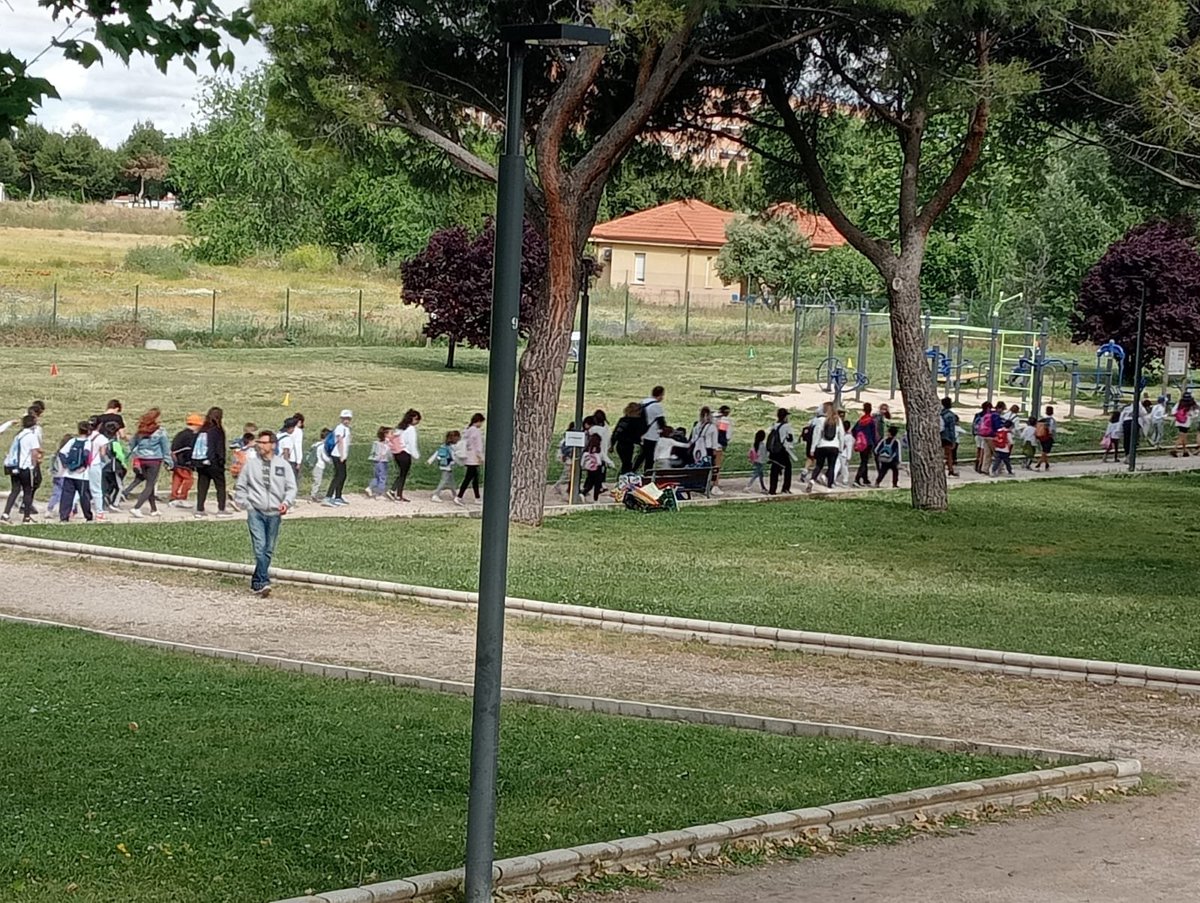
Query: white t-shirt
{"type": "Point", "coordinates": [81, 473]}
{"type": "Point", "coordinates": [1158, 413]}
{"type": "Point", "coordinates": [653, 410]}
{"type": "Point", "coordinates": [27, 443]}
{"type": "Point", "coordinates": [297, 445]}
{"type": "Point", "coordinates": [97, 447]}
{"type": "Point", "coordinates": [288, 449]}
{"type": "Point", "coordinates": [341, 442]}
{"type": "Point", "coordinates": [408, 438]}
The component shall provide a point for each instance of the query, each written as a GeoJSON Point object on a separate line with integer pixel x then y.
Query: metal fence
{"type": "Point", "coordinates": [369, 315]}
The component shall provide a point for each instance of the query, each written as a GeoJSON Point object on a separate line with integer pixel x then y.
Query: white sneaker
{"type": "Point", "coordinates": [226, 514]}
{"type": "Point", "coordinates": [369, 492]}
{"type": "Point", "coordinates": [715, 490]}
{"type": "Point", "coordinates": [136, 513]}
{"type": "Point", "coordinates": [459, 502]}
{"type": "Point", "coordinates": [436, 497]}
{"type": "Point", "coordinates": [156, 514]}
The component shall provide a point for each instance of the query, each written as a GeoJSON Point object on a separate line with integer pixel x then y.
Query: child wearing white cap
{"type": "Point", "coordinates": [338, 454]}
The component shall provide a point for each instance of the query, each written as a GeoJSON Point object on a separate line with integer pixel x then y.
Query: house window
{"type": "Point", "coordinates": [639, 269]}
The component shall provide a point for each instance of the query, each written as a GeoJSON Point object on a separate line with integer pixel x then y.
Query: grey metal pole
{"type": "Point", "coordinates": [1074, 387]}
{"type": "Point", "coordinates": [795, 344]}
{"type": "Point", "coordinates": [360, 325]}
{"type": "Point", "coordinates": [493, 553]}
{"type": "Point", "coordinates": [687, 310]}
{"type": "Point", "coordinates": [863, 326]}
{"type": "Point", "coordinates": [136, 301]}
{"type": "Point", "coordinates": [992, 359]}
{"type": "Point", "coordinates": [958, 358]}
{"type": "Point", "coordinates": [829, 357]}
{"type": "Point", "coordinates": [626, 334]}
{"type": "Point", "coordinates": [1137, 383]}
{"type": "Point", "coordinates": [746, 328]}
{"type": "Point", "coordinates": [54, 307]}
{"type": "Point", "coordinates": [580, 385]}
{"type": "Point", "coordinates": [1037, 383]}
{"type": "Point", "coordinates": [287, 307]}
{"type": "Point", "coordinates": [214, 312]}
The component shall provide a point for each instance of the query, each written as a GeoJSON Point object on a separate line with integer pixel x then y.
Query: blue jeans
{"type": "Point", "coordinates": [264, 532]}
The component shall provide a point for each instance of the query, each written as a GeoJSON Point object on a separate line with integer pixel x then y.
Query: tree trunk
{"type": "Point", "coordinates": [141, 187]}
{"type": "Point", "coordinates": [541, 374]}
{"type": "Point", "coordinates": [450, 355]}
{"type": "Point", "coordinates": [921, 404]}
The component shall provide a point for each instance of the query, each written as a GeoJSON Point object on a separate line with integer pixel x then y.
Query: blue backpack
{"type": "Point", "coordinates": [200, 448]}
{"type": "Point", "coordinates": [76, 457]}
{"type": "Point", "coordinates": [330, 443]}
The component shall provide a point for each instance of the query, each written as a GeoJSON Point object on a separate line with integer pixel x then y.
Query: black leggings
{"type": "Point", "coordinates": [470, 478]}
{"type": "Point", "coordinates": [826, 458]}
{"type": "Point", "coordinates": [863, 476]}
{"type": "Point", "coordinates": [403, 466]}
{"type": "Point", "coordinates": [781, 464]}
{"type": "Point", "coordinates": [206, 474]}
{"type": "Point", "coordinates": [338, 483]}
{"type": "Point", "coordinates": [645, 458]}
{"type": "Point", "coordinates": [625, 453]}
{"type": "Point", "coordinates": [150, 475]}
{"type": "Point", "coordinates": [884, 467]}
{"type": "Point", "coordinates": [22, 485]}
{"type": "Point", "coordinates": [592, 482]}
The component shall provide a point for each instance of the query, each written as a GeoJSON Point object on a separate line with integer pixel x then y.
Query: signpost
{"type": "Point", "coordinates": [1175, 363]}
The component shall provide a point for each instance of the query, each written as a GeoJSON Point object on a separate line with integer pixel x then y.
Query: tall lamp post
{"type": "Point", "coordinates": [581, 378]}
{"type": "Point", "coordinates": [502, 373]}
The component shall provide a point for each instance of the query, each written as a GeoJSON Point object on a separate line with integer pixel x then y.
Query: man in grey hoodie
{"type": "Point", "coordinates": [266, 490]}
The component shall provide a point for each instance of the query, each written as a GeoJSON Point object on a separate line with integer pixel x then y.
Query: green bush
{"type": "Point", "coordinates": [157, 260]}
{"type": "Point", "coordinates": [309, 259]}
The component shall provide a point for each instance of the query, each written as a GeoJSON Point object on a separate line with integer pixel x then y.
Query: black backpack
{"type": "Point", "coordinates": [774, 442]}
{"type": "Point", "coordinates": [829, 431]}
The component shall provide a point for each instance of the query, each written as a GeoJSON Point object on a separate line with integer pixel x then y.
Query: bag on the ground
{"type": "Point", "coordinates": [76, 457]}
{"type": "Point", "coordinates": [774, 443]}
{"type": "Point", "coordinates": [330, 443]}
{"type": "Point", "coordinates": [829, 431]}
{"type": "Point", "coordinates": [200, 448]}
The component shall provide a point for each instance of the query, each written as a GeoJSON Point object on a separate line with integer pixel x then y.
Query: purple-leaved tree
{"type": "Point", "coordinates": [1160, 256]}
{"type": "Point", "coordinates": [452, 280]}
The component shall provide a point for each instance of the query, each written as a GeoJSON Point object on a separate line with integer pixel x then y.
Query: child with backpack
{"type": "Point", "coordinates": [887, 453]}
{"type": "Point", "coordinates": [381, 455]}
{"type": "Point", "coordinates": [75, 461]}
{"type": "Point", "coordinates": [1043, 434]}
{"type": "Point", "coordinates": [57, 475]}
{"type": "Point", "coordinates": [593, 469]}
{"type": "Point", "coordinates": [1111, 439]}
{"type": "Point", "coordinates": [1185, 418]}
{"type": "Point", "coordinates": [1002, 450]}
{"type": "Point", "coordinates": [444, 458]}
{"type": "Point", "coordinates": [184, 473]}
{"type": "Point", "coordinates": [317, 459]}
{"type": "Point", "coordinates": [758, 456]}
{"type": "Point", "coordinates": [1029, 442]}
{"type": "Point", "coordinates": [24, 454]}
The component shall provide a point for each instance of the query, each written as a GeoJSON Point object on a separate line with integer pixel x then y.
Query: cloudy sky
{"type": "Point", "coordinates": [107, 100]}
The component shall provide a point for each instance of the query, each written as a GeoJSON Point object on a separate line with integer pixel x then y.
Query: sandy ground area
{"type": "Point", "coordinates": [1145, 848]}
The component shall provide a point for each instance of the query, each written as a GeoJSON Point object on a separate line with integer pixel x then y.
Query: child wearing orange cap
{"type": "Point", "coordinates": [181, 453]}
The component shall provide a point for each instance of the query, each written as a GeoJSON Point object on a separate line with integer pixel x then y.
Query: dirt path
{"type": "Point", "coordinates": [421, 505]}
{"type": "Point", "coordinates": [1144, 849]}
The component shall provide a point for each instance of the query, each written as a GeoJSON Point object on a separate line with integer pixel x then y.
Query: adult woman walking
{"type": "Point", "coordinates": [779, 451]}
{"type": "Point", "coordinates": [601, 428]}
{"type": "Point", "coordinates": [827, 442]}
{"type": "Point", "coordinates": [149, 449]}
{"type": "Point", "coordinates": [405, 451]}
{"type": "Point", "coordinates": [472, 457]}
{"type": "Point", "coordinates": [866, 437]}
{"type": "Point", "coordinates": [208, 454]}
{"type": "Point", "coordinates": [703, 438]}
{"type": "Point", "coordinates": [23, 456]}
{"type": "Point", "coordinates": [628, 435]}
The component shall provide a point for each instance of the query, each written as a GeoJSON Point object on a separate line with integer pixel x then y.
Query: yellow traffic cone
{"type": "Point", "coordinates": [287, 400]}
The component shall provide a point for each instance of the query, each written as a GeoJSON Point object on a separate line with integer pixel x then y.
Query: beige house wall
{"type": "Point", "coordinates": [669, 273]}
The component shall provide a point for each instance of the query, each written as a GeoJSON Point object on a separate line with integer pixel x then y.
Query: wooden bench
{"type": "Point", "coordinates": [734, 390]}
{"type": "Point", "coordinates": [689, 479]}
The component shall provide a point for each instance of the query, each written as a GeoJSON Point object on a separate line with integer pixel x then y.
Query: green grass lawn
{"type": "Point", "coordinates": [1095, 568]}
{"type": "Point", "coordinates": [136, 775]}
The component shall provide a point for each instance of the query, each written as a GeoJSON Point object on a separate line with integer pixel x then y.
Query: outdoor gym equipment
{"type": "Point", "coordinates": [835, 377]}
{"type": "Point", "coordinates": [944, 367]}
{"type": "Point", "coordinates": [1106, 355]}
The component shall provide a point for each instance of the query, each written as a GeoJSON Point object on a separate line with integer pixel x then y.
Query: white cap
{"type": "Point", "coordinates": [347, 414]}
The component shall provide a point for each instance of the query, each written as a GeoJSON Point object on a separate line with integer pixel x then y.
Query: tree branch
{"type": "Point", "coordinates": [762, 51]}
{"type": "Point", "coordinates": [880, 253]}
{"type": "Point", "coordinates": [560, 111]}
{"type": "Point", "coordinates": [972, 147]}
{"type": "Point", "coordinates": [860, 89]}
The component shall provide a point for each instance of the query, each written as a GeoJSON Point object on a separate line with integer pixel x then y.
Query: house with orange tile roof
{"type": "Point", "coordinates": [669, 252]}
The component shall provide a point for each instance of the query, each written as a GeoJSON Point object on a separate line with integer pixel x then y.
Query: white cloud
{"type": "Point", "coordinates": [108, 99]}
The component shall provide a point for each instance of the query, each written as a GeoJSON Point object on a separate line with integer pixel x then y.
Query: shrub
{"type": "Point", "coordinates": [309, 258]}
{"type": "Point", "coordinates": [157, 260]}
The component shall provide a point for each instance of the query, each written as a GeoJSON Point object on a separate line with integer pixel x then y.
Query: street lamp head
{"type": "Point", "coordinates": [552, 34]}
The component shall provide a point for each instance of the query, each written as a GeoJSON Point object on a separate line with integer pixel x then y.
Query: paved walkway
{"type": "Point", "coordinates": [733, 488]}
{"type": "Point", "coordinates": [1141, 849]}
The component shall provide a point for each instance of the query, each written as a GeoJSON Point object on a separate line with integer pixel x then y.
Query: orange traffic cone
{"type": "Point", "coordinates": [54, 369]}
